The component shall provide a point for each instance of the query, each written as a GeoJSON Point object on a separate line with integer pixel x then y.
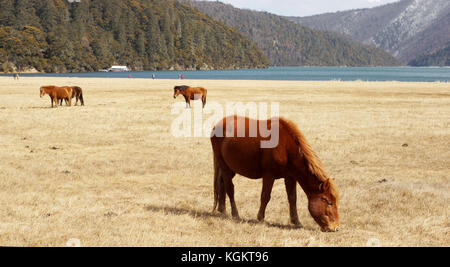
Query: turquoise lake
{"type": "Point", "coordinates": [411, 74]}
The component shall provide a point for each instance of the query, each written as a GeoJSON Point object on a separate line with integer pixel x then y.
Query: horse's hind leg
{"type": "Point", "coordinates": [265, 196]}
{"type": "Point", "coordinates": [229, 187]}
{"type": "Point", "coordinates": [221, 193]}
{"type": "Point", "coordinates": [291, 191]}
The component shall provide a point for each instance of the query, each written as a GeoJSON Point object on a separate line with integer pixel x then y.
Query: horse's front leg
{"type": "Point", "coordinates": [291, 190]}
{"type": "Point", "coordinates": [265, 196]}
{"type": "Point", "coordinates": [188, 104]}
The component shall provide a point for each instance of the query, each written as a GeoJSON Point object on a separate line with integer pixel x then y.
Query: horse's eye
{"type": "Point", "coordinates": [327, 201]}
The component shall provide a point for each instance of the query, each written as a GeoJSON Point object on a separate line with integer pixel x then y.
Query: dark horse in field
{"type": "Point", "coordinates": [77, 92]}
{"type": "Point", "coordinates": [57, 93]}
{"type": "Point", "coordinates": [237, 150]}
{"type": "Point", "coordinates": [190, 93]}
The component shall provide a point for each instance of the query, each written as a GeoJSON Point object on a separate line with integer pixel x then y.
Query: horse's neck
{"type": "Point", "coordinates": [308, 181]}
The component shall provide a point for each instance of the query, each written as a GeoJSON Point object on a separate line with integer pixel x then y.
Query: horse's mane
{"type": "Point", "coordinates": [181, 87]}
{"type": "Point", "coordinates": [314, 163]}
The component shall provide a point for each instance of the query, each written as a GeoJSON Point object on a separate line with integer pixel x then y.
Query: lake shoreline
{"type": "Point", "coordinates": [411, 74]}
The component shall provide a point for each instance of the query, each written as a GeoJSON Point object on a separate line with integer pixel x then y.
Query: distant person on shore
{"type": "Point", "coordinates": [181, 77]}
{"type": "Point", "coordinates": [129, 75]}
{"type": "Point", "coordinates": [153, 76]}
{"type": "Point", "coordinates": [17, 76]}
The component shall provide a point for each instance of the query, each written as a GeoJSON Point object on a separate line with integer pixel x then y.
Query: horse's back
{"type": "Point", "coordinates": [240, 148]}
{"type": "Point", "coordinates": [63, 91]}
{"type": "Point", "coordinates": [197, 90]}
{"type": "Point", "coordinates": [243, 127]}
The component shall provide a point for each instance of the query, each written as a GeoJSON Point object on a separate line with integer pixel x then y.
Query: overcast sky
{"type": "Point", "coordinates": [304, 7]}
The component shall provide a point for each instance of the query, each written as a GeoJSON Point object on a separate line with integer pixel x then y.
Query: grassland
{"type": "Point", "coordinates": [111, 174]}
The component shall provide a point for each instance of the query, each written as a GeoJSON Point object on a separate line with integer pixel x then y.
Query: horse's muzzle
{"type": "Point", "coordinates": [334, 228]}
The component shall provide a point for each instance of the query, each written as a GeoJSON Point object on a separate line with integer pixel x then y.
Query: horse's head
{"type": "Point", "coordinates": [42, 91]}
{"type": "Point", "coordinates": [179, 90]}
{"type": "Point", "coordinates": [323, 206]}
{"type": "Point", "coordinates": [176, 91]}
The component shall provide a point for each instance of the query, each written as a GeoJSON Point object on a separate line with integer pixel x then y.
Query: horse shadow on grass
{"type": "Point", "coordinates": [217, 215]}
{"type": "Point", "coordinates": [39, 107]}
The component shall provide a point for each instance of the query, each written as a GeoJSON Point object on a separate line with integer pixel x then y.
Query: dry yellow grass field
{"type": "Point", "coordinates": [111, 174]}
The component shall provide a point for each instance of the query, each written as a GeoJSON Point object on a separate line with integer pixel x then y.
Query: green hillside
{"type": "Point", "coordinates": [71, 36]}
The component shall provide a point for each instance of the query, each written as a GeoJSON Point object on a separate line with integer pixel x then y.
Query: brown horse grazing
{"type": "Point", "coordinates": [190, 93]}
{"type": "Point", "coordinates": [77, 92]}
{"type": "Point", "coordinates": [290, 158]}
{"type": "Point", "coordinates": [57, 93]}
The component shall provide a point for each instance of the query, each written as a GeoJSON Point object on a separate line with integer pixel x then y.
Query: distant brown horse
{"type": "Point", "coordinates": [190, 93]}
{"type": "Point", "coordinates": [77, 92]}
{"type": "Point", "coordinates": [292, 159]}
{"type": "Point", "coordinates": [57, 93]}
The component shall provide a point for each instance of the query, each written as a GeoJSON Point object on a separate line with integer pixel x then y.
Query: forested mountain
{"type": "Point", "coordinates": [408, 29]}
{"type": "Point", "coordinates": [438, 58]}
{"type": "Point", "coordinates": [87, 35]}
{"type": "Point", "coordinates": [287, 43]}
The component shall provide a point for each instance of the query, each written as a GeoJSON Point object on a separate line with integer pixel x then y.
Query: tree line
{"type": "Point", "coordinates": [89, 35]}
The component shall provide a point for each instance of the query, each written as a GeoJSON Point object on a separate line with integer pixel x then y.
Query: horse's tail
{"type": "Point", "coordinates": [204, 100]}
{"type": "Point", "coordinates": [81, 97]}
{"type": "Point", "coordinates": [217, 183]}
